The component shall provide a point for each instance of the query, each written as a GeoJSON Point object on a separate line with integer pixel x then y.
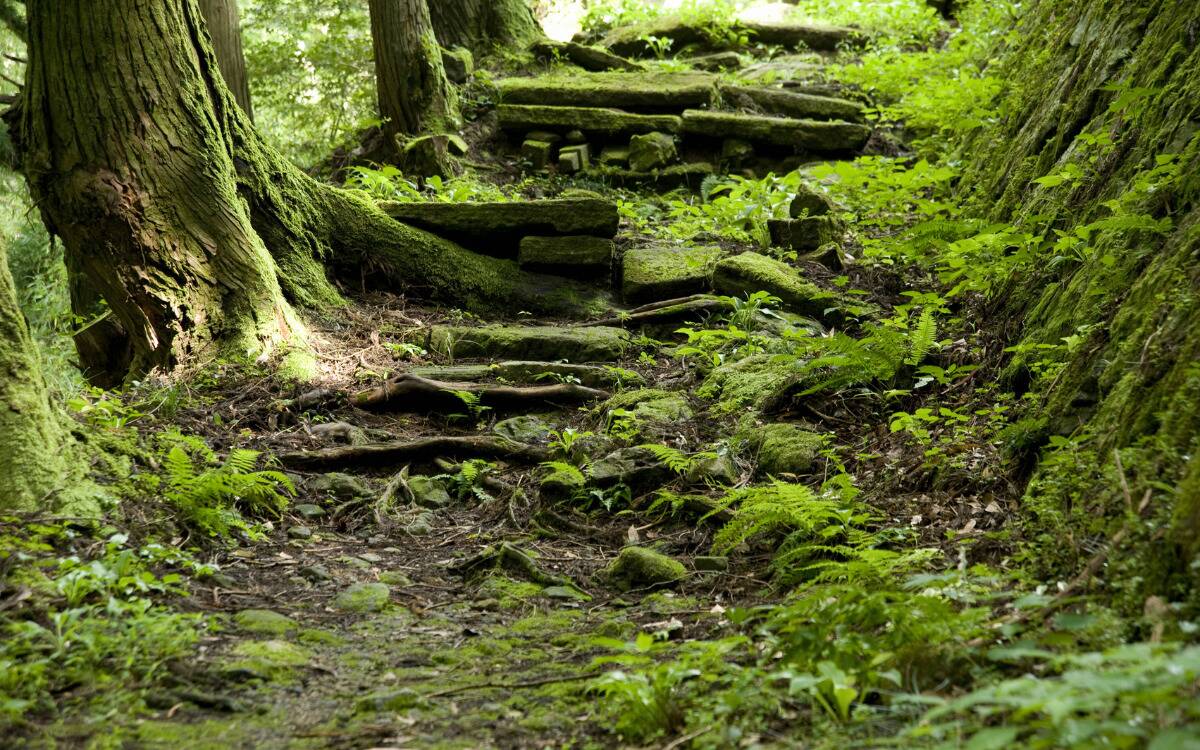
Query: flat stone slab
{"type": "Point", "coordinates": [630, 41]}
{"type": "Point", "coordinates": [573, 255]}
{"type": "Point", "coordinates": [810, 135]}
{"type": "Point", "coordinates": [594, 344]}
{"type": "Point", "coordinates": [585, 56]}
{"type": "Point", "coordinates": [626, 90]}
{"type": "Point", "coordinates": [774, 101]}
{"type": "Point", "coordinates": [751, 272]}
{"type": "Point", "coordinates": [525, 117]}
{"type": "Point", "coordinates": [690, 175]}
{"type": "Point", "coordinates": [658, 273]}
{"type": "Point", "coordinates": [497, 228]}
{"type": "Point", "coordinates": [530, 372]}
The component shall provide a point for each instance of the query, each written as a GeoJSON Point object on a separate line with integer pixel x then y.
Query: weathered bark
{"type": "Point", "coordinates": [197, 234]}
{"type": "Point", "coordinates": [224, 26]}
{"type": "Point", "coordinates": [480, 25]}
{"type": "Point", "coordinates": [32, 464]}
{"type": "Point", "coordinates": [415, 99]}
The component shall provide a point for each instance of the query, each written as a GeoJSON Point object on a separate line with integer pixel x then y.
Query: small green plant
{"type": "Point", "coordinates": [566, 444]}
{"type": "Point", "coordinates": [474, 403]}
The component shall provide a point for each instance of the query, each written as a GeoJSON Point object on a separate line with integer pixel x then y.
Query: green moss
{"type": "Point", "coordinates": [809, 135]}
{"type": "Point", "coordinates": [755, 382]}
{"type": "Point", "coordinates": [274, 661]}
{"type": "Point", "coordinates": [363, 597]}
{"type": "Point", "coordinates": [264, 622]}
{"type": "Point", "coordinates": [657, 272]}
{"type": "Point", "coordinates": [509, 593]}
{"type": "Point", "coordinates": [592, 344]}
{"type": "Point", "coordinates": [751, 272]}
{"type": "Point", "coordinates": [641, 89]}
{"type": "Point", "coordinates": [640, 568]}
{"type": "Point", "coordinates": [787, 448]}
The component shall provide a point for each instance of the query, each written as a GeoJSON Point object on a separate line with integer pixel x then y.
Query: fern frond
{"type": "Point", "coordinates": [923, 338]}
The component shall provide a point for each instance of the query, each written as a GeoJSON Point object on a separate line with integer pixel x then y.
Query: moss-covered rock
{"type": "Point", "coordinates": [523, 117]}
{"type": "Point", "coordinates": [751, 272]}
{"type": "Point", "coordinates": [786, 448]}
{"type": "Point", "coordinates": [526, 428]}
{"type": "Point", "coordinates": [631, 40]}
{"type": "Point", "coordinates": [362, 598]}
{"type": "Point", "coordinates": [809, 135]}
{"type": "Point", "coordinates": [756, 382]}
{"type": "Point", "coordinates": [561, 483]}
{"type": "Point", "coordinates": [579, 255]}
{"type": "Point", "coordinates": [389, 700]}
{"type": "Point", "coordinates": [531, 372]}
{"type": "Point", "coordinates": [651, 151]}
{"type": "Point", "coordinates": [429, 492]}
{"type": "Point", "coordinates": [655, 413]}
{"type": "Point", "coordinates": [272, 660]}
{"type": "Point", "coordinates": [656, 91]}
{"type": "Point", "coordinates": [636, 468]}
{"type": "Point", "coordinates": [775, 101]}
{"type": "Point", "coordinates": [642, 568]}
{"type": "Point", "coordinates": [582, 344]}
{"type": "Point", "coordinates": [585, 56]}
{"type": "Point", "coordinates": [659, 272]}
{"type": "Point", "coordinates": [339, 486]}
{"type": "Point", "coordinates": [264, 622]}
{"type": "Point", "coordinates": [806, 234]}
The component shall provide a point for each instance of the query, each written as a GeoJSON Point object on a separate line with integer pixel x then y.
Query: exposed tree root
{"type": "Point", "coordinates": [390, 454]}
{"type": "Point", "coordinates": [513, 559]}
{"type": "Point", "coordinates": [410, 392]}
{"type": "Point", "coordinates": [666, 311]}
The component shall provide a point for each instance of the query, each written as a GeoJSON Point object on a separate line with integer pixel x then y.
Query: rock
{"type": "Point", "coordinates": [339, 486]}
{"type": "Point", "coordinates": [656, 91]}
{"type": "Point", "coordinates": [651, 151]}
{"type": "Point", "coordinates": [309, 510]}
{"type": "Point", "coordinates": [808, 135]}
{"type": "Point", "coordinates": [636, 468]}
{"type": "Point", "coordinates": [736, 150]}
{"type": "Point", "coordinates": [787, 448]}
{"type": "Point", "coordinates": [264, 622]}
{"type": "Point", "coordinates": [428, 493]}
{"type": "Point", "coordinates": [560, 485]}
{"type": "Point", "coordinates": [459, 64]}
{"type": "Point", "coordinates": [267, 660]}
{"type": "Point", "coordinates": [630, 41]}
{"type": "Point", "coordinates": [690, 175]}
{"type": "Point", "coordinates": [363, 597]}
{"type": "Point", "coordinates": [565, 592]}
{"type": "Point", "coordinates": [751, 272]}
{"type": "Point", "coordinates": [538, 154]}
{"type": "Point", "coordinates": [641, 568]}
{"type": "Point", "coordinates": [614, 156]}
{"type": "Point", "coordinates": [591, 344]}
{"type": "Point", "coordinates": [774, 101]}
{"type": "Point", "coordinates": [589, 58]}
{"type": "Point", "coordinates": [315, 573]}
{"type": "Point", "coordinates": [593, 376]}
{"type": "Point", "coordinates": [576, 137]}
{"type": "Point", "coordinates": [720, 469]}
{"type": "Point", "coordinates": [497, 228]}
{"type": "Point", "coordinates": [395, 578]}
{"type": "Point", "coordinates": [809, 202]}
{"type": "Point", "coordinates": [526, 428]}
{"type": "Point", "coordinates": [786, 70]}
{"type": "Point", "coordinates": [657, 272]}
{"type": "Point", "coordinates": [805, 234]}
{"type": "Point", "coordinates": [354, 561]}
{"type": "Point", "coordinates": [711, 563]}
{"type": "Point", "coordinates": [716, 61]}
{"type": "Point", "coordinates": [754, 383]}
{"type": "Point", "coordinates": [522, 117]}
{"type": "Point", "coordinates": [806, 36]}
{"type": "Point", "coordinates": [828, 255]}
{"type": "Point", "coordinates": [657, 413]}
{"type": "Point", "coordinates": [422, 525]}
{"type": "Point", "coordinates": [546, 137]}
{"type": "Point", "coordinates": [579, 255]}
{"type": "Point", "coordinates": [572, 159]}
{"type": "Point", "coordinates": [299, 532]}
{"type": "Point", "coordinates": [389, 700]}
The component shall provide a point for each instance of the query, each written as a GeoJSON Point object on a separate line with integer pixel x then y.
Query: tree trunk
{"type": "Point", "coordinates": [32, 461]}
{"type": "Point", "coordinates": [415, 98]}
{"type": "Point", "coordinates": [480, 25]}
{"type": "Point", "coordinates": [224, 26]}
{"type": "Point", "coordinates": [198, 235]}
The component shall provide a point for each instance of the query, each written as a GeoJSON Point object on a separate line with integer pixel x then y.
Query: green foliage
{"type": "Point", "coordinates": [602, 15]}
{"type": "Point", "coordinates": [676, 460]}
{"type": "Point", "coordinates": [387, 182]}
{"type": "Point", "coordinates": [214, 498]}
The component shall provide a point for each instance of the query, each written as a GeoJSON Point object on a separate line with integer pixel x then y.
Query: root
{"type": "Point", "coordinates": [513, 559]}
{"type": "Point", "coordinates": [390, 454]}
{"type": "Point", "coordinates": [666, 311]}
{"type": "Point", "coordinates": [414, 393]}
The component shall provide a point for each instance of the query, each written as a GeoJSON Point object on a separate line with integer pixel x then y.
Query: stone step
{"type": "Point", "coordinates": [783, 103]}
{"type": "Point", "coordinates": [809, 135]}
{"type": "Point", "coordinates": [574, 255]}
{"type": "Point", "coordinates": [676, 91]}
{"type": "Point", "coordinates": [528, 373]}
{"type": "Point", "coordinates": [591, 344]}
{"type": "Point", "coordinates": [631, 41]}
{"type": "Point", "coordinates": [498, 228]}
{"type": "Point", "coordinates": [656, 272]}
{"type": "Point", "coordinates": [525, 117]}
{"type": "Point", "coordinates": [585, 56]}
{"type": "Point", "coordinates": [750, 272]}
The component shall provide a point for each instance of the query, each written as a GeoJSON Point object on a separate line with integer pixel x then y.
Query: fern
{"type": "Point", "coordinates": [798, 512]}
{"type": "Point", "coordinates": [677, 461]}
{"type": "Point", "coordinates": [923, 338]}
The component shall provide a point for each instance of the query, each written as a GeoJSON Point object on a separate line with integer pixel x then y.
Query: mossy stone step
{"type": "Point", "coordinates": [631, 41]}
{"type": "Point", "coordinates": [656, 272]}
{"type": "Point", "coordinates": [774, 101]}
{"type": "Point", "coordinates": [805, 234]}
{"type": "Point", "coordinates": [585, 56]}
{"type": "Point", "coordinates": [810, 135]}
{"type": "Point", "coordinates": [498, 228]}
{"type": "Point", "coordinates": [633, 91]}
{"type": "Point", "coordinates": [689, 175]}
{"type": "Point", "coordinates": [594, 344]}
{"type": "Point", "coordinates": [573, 255]}
{"type": "Point", "coordinates": [526, 117]}
{"type": "Point", "coordinates": [529, 372]}
{"type": "Point", "coordinates": [752, 272]}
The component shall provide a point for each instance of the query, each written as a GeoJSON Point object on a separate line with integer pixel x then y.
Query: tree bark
{"type": "Point", "coordinates": [224, 26]}
{"type": "Point", "coordinates": [415, 99]}
{"type": "Point", "coordinates": [480, 25]}
{"type": "Point", "coordinates": [199, 235]}
{"type": "Point", "coordinates": [32, 460]}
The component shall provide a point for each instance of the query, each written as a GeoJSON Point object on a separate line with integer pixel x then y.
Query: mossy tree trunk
{"type": "Point", "coordinates": [224, 26]}
{"type": "Point", "coordinates": [415, 99]}
{"type": "Point", "coordinates": [32, 460]}
{"type": "Point", "coordinates": [199, 236]}
{"type": "Point", "coordinates": [480, 25]}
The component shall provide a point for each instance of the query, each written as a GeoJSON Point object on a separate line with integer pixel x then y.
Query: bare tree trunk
{"type": "Point", "coordinates": [480, 25]}
{"type": "Point", "coordinates": [224, 26]}
{"type": "Point", "coordinates": [198, 235]}
{"type": "Point", "coordinates": [415, 99]}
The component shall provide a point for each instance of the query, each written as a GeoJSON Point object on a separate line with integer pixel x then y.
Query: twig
{"type": "Point", "coordinates": [681, 741]}
{"type": "Point", "coordinates": [513, 685]}
{"type": "Point", "coordinates": [416, 393]}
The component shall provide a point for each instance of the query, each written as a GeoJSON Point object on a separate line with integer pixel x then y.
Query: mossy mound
{"type": "Point", "coordinates": [641, 568]}
{"type": "Point", "coordinates": [657, 272]}
{"type": "Point", "coordinates": [785, 448]}
{"type": "Point", "coordinates": [639, 90]}
{"type": "Point", "coordinates": [264, 622]}
{"type": "Point", "coordinates": [756, 382]}
{"type": "Point", "coordinates": [362, 598]}
{"type": "Point", "coordinates": [751, 272]}
{"type": "Point", "coordinates": [272, 660]}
